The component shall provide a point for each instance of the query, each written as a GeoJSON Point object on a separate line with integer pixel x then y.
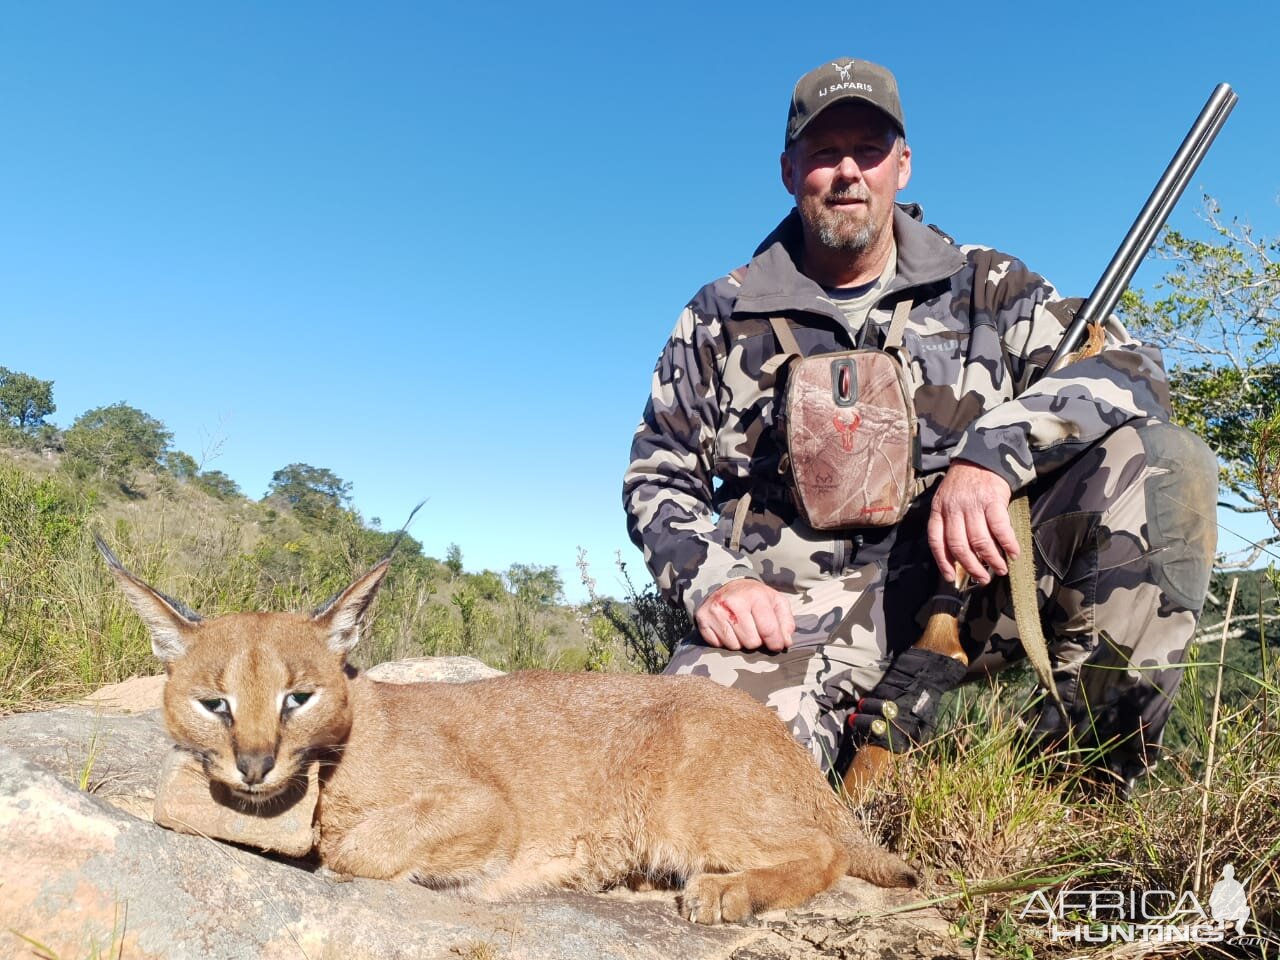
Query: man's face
{"type": "Point", "coordinates": [845, 171]}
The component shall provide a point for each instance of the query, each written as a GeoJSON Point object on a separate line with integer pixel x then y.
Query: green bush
{"type": "Point", "coordinates": [62, 627]}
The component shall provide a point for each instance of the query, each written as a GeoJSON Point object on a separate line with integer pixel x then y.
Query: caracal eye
{"type": "Point", "coordinates": [297, 698]}
{"type": "Point", "coordinates": [218, 706]}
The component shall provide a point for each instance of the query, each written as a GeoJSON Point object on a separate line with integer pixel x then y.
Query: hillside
{"type": "Point", "coordinates": [64, 629]}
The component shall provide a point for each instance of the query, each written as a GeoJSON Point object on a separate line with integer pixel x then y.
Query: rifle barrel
{"type": "Point", "coordinates": [1155, 212]}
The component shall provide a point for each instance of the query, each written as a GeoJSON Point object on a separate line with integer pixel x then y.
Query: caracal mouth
{"type": "Point", "coordinates": [260, 793]}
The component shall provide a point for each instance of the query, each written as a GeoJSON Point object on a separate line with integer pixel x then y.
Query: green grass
{"type": "Point", "coordinates": [112, 949]}
{"type": "Point", "coordinates": [65, 628]}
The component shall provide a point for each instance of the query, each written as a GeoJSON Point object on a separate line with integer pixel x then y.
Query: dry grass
{"type": "Point", "coordinates": [995, 822]}
{"type": "Point", "coordinates": [477, 950]}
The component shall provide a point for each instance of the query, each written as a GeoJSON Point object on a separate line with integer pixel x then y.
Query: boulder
{"type": "Point", "coordinates": [444, 669]}
{"type": "Point", "coordinates": [187, 801]}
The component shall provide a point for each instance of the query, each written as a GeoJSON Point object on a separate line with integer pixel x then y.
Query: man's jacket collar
{"type": "Point", "coordinates": [774, 283]}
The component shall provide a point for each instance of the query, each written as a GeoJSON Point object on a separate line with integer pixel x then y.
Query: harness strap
{"type": "Point", "coordinates": [893, 339]}
{"type": "Point", "coordinates": [791, 347]}
{"type": "Point", "coordinates": [739, 520]}
{"type": "Point", "coordinates": [786, 339]}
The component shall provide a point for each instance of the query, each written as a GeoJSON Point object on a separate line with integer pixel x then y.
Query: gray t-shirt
{"type": "Point", "coordinates": [856, 302]}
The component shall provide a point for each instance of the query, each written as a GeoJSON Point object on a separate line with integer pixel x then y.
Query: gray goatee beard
{"type": "Point", "coordinates": [841, 236]}
{"type": "Point", "coordinates": [835, 231]}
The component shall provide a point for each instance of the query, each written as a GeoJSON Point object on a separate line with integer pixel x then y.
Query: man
{"type": "Point", "coordinates": [809, 621]}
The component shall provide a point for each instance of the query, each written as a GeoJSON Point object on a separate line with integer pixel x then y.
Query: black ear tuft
{"type": "Point", "coordinates": [402, 531]}
{"type": "Point", "coordinates": [167, 619]}
{"type": "Point", "coordinates": [343, 614]}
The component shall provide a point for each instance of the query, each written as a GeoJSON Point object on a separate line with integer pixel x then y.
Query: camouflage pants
{"type": "Point", "coordinates": [1124, 541]}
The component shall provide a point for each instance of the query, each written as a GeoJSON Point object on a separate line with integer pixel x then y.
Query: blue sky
{"type": "Point", "coordinates": [436, 248]}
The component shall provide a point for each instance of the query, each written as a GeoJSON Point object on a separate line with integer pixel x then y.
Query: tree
{"type": "Point", "coordinates": [453, 560]}
{"type": "Point", "coordinates": [1216, 315]}
{"type": "Point", "coordinates": [218, 483]}
{"type": "Point", "coordinates": [25, 400]}
{"type": "Point", "coordinates": [310, 491]}
{"type": "Point", "coordinates": [183, 466]}
{"type": "Point", "coordinates": [114, 442]}
{"type": "Point", "coordinates": [486, 585]}
{"type": "Point", "coordinates": [535, 583]}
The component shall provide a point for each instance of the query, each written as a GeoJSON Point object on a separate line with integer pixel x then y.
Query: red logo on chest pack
{"type": "Point", "coordinates": [846, 429]}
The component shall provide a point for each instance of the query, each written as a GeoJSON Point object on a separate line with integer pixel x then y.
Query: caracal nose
{"type": "Point", "coordinates": [254, 767]}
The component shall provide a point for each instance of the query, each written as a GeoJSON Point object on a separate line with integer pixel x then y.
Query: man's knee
{"type": "Point", "coordinates": [772, 679]}
{"type": "Point", "coordinates": [1181, 511]}
{"type": "Point", "coordinates": [802, 686]}
{"type": "Point", "coordinates": [1141, 504]}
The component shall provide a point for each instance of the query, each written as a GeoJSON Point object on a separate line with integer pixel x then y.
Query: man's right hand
{"type": "Point", "coordinates": [746, 615]}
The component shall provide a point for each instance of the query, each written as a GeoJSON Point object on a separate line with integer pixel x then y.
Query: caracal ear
{"type": "Point", "coordinates": [168, 620]}
{"type": "Point", "coordinates": [342, 615]}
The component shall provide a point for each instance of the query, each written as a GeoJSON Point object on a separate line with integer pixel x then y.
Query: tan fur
{"type": "Point", "coordinates": [514, 784]}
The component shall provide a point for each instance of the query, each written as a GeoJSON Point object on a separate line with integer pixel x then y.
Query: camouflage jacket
{"type": "Point", "coordinates": [981, 326]}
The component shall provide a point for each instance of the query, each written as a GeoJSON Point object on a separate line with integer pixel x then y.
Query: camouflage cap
{"type": "Point", "coordinates": [839, 82]}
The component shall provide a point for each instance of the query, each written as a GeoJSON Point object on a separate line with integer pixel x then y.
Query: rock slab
{"type": "Point", "coordinates": [81, 878]}
{"type": "Point", "coordinates": [84, 872]}
{"type": "Point", "coordinates": [187, 802]}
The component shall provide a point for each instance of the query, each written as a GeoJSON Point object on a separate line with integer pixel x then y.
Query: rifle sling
{"type": "Point", "coordinates": [1022, 569]}
{"type": "Point", "coordinates": [1026, 607]}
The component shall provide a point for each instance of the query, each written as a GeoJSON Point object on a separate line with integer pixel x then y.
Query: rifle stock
{"type": "Point", "coordinates": [941, 635]}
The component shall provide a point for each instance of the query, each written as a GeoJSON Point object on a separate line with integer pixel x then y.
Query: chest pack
{"type": "Point", "coordinates": [848, 429]}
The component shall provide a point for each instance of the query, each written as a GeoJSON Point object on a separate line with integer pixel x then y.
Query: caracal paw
{"type": "Point", "coordinates": [716, 898]}
{"type": "Point", "coordinates": [333, 876]}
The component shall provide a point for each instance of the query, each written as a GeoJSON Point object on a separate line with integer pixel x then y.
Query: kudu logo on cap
{"type": "Point", "coordinates": [838, 82]}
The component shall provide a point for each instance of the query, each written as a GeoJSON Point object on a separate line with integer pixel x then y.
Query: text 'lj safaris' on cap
{"type": "Point", "coordinates": [839, 82]}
